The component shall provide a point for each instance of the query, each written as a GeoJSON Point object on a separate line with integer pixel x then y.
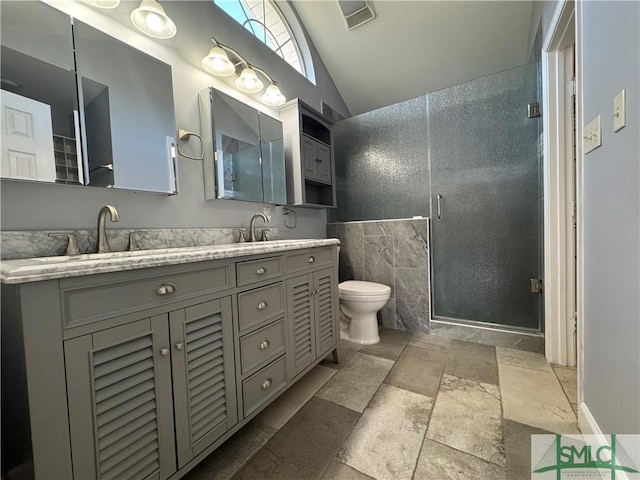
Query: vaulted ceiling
{"type": "Point", "coordinates": [415, 47]}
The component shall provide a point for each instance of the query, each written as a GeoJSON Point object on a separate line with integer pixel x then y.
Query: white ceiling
{"type": "Point", "coordinates": [415, 47]}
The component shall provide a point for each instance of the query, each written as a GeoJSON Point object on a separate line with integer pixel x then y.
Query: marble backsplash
{"type": "Point", "coordinates": [27, 244]}
{"type": "Point", "coordinates": [395, 253]}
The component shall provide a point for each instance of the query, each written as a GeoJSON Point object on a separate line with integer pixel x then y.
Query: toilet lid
{"type": "Point", "coordinates": [356, 287]}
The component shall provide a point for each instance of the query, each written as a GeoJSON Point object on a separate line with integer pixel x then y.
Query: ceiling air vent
{"type": "Point", "coordinates": [356, 12]}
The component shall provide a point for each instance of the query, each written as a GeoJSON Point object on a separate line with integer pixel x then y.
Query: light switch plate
{"type": "Point", "coordinates": [619, 113]}
{"type": "Point", "coordinates": [267, 213]}
{"type": "Point", "coordinates": [591, 138]}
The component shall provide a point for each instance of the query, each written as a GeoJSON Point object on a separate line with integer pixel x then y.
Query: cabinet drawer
{"type": "Point", "coordinates": [257, 270]}
{"type": "Point", "coordinates": [260, 305]}
{"type": "Point", "coordinates": [259, 388]}
{"type": "Point", "coordinates": [262, 346]}
{"type": "Point", "coordinates": [308, 259]}
{"type": "Point", "coordinates": [119, 294]}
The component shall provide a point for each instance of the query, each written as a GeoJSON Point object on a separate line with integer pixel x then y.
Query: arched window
{"type": "Point", "coordinates": [270, 24]}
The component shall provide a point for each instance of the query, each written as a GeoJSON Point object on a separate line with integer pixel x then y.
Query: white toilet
{"type": "Point", "coordinates": [360, 302]}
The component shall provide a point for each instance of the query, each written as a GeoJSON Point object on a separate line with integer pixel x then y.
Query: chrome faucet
{"type": "Point", "coordinates": [103, 241]}
{"type": "Point", "coordinates": [252, 225]}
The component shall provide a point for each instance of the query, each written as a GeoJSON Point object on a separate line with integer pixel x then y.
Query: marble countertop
{"type": "Point", "coordinates": [48, 268]}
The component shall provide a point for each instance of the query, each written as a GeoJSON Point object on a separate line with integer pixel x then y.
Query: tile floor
{"type": "Point", "coordinates": [414, 406]}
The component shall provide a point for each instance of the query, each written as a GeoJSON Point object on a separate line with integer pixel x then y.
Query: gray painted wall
{"type": "Point", "coordinates": [610, 53]}
{"type": "Point", "coordinates": [27, 206]}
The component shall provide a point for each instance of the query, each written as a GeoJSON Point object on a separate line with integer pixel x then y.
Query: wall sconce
{"type": "Point", "coordinates": [151, 19]}
{"type": "Point", "coordinates": [217, 62]}
{"type": "Point", "coordinates": [102, 3]}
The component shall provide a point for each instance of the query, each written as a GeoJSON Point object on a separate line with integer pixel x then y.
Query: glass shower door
{"type": "Point", "coordinates": [486, 200]}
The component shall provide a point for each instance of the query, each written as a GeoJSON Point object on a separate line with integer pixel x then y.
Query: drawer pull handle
{"type": "Point", "coordinates": [179, 346]}
{"type": "Point", "coordinates": [165, 289]}
{"type": "Point", "coordinates": [312, 259]}
{"type": "Point", "coordinates": [264, 345]}
{"type": "Point", "coordinates": [164, 352]}
{"type": "Point", "coordinates": [261, 271]}
{"type": "Point", "coordinates": [262, 305]}
{"type": "Point", "coordinates": [266, 384]}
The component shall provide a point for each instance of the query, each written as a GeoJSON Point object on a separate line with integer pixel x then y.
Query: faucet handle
{"type": "Point", "coordinates": [72, 244]}
{"type": "Point", "coordinates": [265, 234]}
{"type": "Point", "coordinates": [241, 238]}
{"type": "Point", "coordinates": [134, 239]}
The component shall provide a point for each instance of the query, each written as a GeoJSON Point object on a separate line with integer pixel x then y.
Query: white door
{"type": "Point", "coordinates": [27, 139]}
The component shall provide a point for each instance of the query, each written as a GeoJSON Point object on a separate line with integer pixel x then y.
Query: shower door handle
{"type": "Point", "coordinates": [439, 207]}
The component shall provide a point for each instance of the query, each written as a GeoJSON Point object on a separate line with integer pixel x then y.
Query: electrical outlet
{"type": "Point", "coordinates": [267, 213]}
{"type": "Point", "coordinates": [619, 114]}
{"type": "Point", "coordinates": [592, 135]}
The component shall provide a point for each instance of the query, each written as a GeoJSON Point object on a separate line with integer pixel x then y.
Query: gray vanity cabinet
{"type": "Point", "coordinates": [312, 311]}
{"type": "Point", "coordinates": [141, 374]}
{"type": "Point", "coordinates": [120, 383]}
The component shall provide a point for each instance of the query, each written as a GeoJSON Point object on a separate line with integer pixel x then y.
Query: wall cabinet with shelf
{"type": "Point", "coordinates": [308, 156]}
{"type": "Point", "coordinates": [109, 376]}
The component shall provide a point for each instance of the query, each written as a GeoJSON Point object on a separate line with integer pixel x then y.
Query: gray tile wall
{"type": "Point", "coordinates": [395, 253]}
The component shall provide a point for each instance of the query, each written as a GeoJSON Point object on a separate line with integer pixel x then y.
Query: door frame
{"type": "Point", "coordinates": [561, 279]}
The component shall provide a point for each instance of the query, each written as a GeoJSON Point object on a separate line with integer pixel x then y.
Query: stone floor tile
{"type": "Point", "coordinates": [340, 471]}
{"type": "Point", "coordinates": [391, 344]}
{"type": "Point", "coordinates": [537, 399]}
{"type": "Point", "coordinates": [467, 416]}
{"type": "Point", "coordinates": [355, 384]}
{"type": "Point", "coordinates": [227, 459]}
{"type": "Point", "coordinates": [473, 361]}
{"type": "Point", "coordinates": [419, 370]}
{"type": "Point", "coordinates": [517, 445]}
{"type": "Point", "coordinates": [440, 462]}
{"type": "Point", "coordinates": [520, 358]}
{"type": "Point", "coordinates": [347, 350]}
{"type": "Point", "coordinates": [285, 406]}
{"type": "Point", "coordinates": [387, 439]}
{"type": "Point", "coordinates": [568, 377]}
{"type": "Point", "coordinates": [305, 447]}
{"type": "Point", "coordinates": [427, 340]}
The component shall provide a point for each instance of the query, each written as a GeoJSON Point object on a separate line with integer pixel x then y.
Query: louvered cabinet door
{"type": "Point", "coordinates": [301, 331]}
{"type": "Point", "coordinates": [203, 375]}
{"type": "Point", "coordinates": [325, 311]}
{"type": "Point", "coordinates": [120, 402]}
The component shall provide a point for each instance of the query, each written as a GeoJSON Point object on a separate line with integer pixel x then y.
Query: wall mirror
{"type": "Point", "coordinates": [119, 134]}
{"type": "Point", "coordinates": [244, 154]}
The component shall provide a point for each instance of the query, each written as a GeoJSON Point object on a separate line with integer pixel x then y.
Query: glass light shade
{"type": "Point", "coordinates": [273, 96]}
{"type": "Point", "coordinates": [102, 3]}
{"type": "Point", "coordinates": [151, 20]}
{"type": "Point", "coordinates": [218, 63]}
{"type": "Point", "coordinates": [249, 82]}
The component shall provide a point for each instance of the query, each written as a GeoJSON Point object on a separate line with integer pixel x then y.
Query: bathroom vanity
{"type": "Point", "coordinates": [140, 364]}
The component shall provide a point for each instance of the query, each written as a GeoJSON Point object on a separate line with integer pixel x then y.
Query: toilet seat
{"type": "Point", "coordinates": [357, 288]}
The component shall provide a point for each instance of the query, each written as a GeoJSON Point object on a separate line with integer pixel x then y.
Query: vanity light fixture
{"type": "Point", "coordinates": [151, 19]}
{"type": "Point", "coordinates": [224, 61]}
{"type": "Point", "coordinates": [248, 81]}
{"type": "Point", "coordinates": [102, 3]}
{"type": "Point", "coordinates": [217, 62]}
{"type": "Point", "coordinates": [273, 97]}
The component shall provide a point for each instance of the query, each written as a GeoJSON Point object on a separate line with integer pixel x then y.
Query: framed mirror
{"type": "Point", "coordinates": [120, 135]}
{"type": "Point", "coordinates": [244, 151]}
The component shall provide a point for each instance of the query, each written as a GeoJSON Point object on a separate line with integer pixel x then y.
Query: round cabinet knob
{"type": "Point", "coordinates": [179, 346]}
{"type": "Point", "coordinates": [165, 289]}
{"type": "Point", "coordinates": [266, 384]}
{"type": "Point", "coordinates": [312, 259]}
{"type": "Point", "coordinates": [261, 271]}
{"type": "Point", "coordinates": [164, 352]}
{"type": "Point", "coordinates": [262, 305]}
{"type": "Point", "coordinates": [264, 345]}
